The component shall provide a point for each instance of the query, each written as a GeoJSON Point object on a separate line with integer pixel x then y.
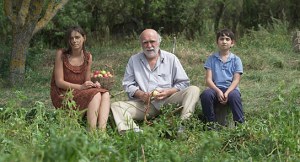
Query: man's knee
{"type": "Point", "coordinates": [115, 105]}
{"type": "Point", "coordinates": [194, 89]}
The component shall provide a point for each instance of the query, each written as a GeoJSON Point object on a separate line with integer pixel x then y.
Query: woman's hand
{"type": "Point", "coordinates": [97, 85]}
{"type": "Point", "coordinates": [87, 85]}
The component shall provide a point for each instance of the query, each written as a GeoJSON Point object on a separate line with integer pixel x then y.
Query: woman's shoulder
{"type": "Point", "coordinates": [60, 51]}
{"type": "Point", "coordinates": [88, 55]}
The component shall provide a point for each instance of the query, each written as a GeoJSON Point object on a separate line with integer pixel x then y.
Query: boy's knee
{"type": "Point", "coordinates": [206, 94]}
{"type": "Point", "coordinates": [234, 95]}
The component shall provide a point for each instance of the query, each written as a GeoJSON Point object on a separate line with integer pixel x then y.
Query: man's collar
{"type": "Point", "coordinates": [161, 56]}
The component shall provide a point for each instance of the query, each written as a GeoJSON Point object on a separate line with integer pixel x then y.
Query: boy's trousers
{"type": "Point", "coordinates": [209, 98]}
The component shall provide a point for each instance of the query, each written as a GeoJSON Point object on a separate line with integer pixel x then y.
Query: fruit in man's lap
{"type": "Point", "coordinates": [154, 93]}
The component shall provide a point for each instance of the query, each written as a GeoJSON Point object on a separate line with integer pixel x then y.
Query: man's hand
{"type": "Point", "coordinates": [163, 93]}
{"type": "Point", "coordinates": [145, 96]}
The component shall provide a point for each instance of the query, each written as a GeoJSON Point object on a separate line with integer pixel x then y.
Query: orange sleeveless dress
{"type": "Point", "coordinates": [76, 75]}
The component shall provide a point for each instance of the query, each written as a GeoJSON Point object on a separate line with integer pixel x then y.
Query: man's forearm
{"type": "Point", "coordinates": [172, 91]}
{"type": "Point", "coordinates": [138, 94]}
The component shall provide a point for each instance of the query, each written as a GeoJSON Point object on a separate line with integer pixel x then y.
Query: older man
{"type": "Point", "coordinates": [153, 69]}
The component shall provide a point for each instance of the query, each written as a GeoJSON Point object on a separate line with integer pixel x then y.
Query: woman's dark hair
{"type": "Point", "coordinates": [226, 32]}
{"type": "Point", "coordinates": [68, 36]}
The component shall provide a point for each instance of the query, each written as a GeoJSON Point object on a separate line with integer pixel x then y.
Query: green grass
{"type": "Point", "coordinates": [31, 128]}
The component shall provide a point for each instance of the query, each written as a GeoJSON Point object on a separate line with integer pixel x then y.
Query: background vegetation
{"type": "Point", "coordinates": [31, 129]}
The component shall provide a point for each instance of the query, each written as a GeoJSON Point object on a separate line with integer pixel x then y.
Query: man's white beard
{"type": "Point", "coordinates": [151, 54]}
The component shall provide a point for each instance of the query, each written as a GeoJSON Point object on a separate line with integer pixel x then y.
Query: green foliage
{"type": "Point", "coordinates": [102, 19]}
{"type": "Point", "coordinates": [5, 27]}
{"type": "Point", "coordinates": [4, 59]}
{"type": "Point", "coordinates": [35, 56]}
{"type": "Point", "coordinates": [73, 13]}
{"type": "Point", "coordinates": [33, 130]}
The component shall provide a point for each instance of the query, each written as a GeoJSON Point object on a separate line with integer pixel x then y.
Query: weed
{"type": "Point", "coordinates": [33, 130]}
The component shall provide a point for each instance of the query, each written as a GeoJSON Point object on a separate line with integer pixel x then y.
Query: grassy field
{"type": "Point", "coordinates": [31, 129]}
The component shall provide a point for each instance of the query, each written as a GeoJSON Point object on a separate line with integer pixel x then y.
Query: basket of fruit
{"type": "Point", "coordinates": [104, 76]}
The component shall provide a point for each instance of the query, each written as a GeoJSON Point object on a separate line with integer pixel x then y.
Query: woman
{"type": "Point", "coordinates": [72, 69]}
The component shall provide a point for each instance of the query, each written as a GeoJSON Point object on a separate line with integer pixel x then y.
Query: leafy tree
{"type": "Point", "coordinates": [26, 20]}
{"type": "Point", "coordinates": [75, 12]}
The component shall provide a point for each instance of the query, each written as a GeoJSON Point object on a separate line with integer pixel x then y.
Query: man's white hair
{"type": "Point", "coordinates": [158, 36]}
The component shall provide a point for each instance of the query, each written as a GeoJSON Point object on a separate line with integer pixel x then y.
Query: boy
{"type": "Point", "coordinates": [223, 71]}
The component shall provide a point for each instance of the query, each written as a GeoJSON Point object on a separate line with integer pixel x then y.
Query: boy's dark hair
{"type": "Point", "coordinates": [226, 32]}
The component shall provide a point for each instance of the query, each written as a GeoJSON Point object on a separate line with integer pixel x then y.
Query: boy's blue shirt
{"type": "Point", "coordinates": [222, 73]}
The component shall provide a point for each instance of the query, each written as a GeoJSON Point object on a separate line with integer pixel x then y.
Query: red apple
{"type": "Point", "coordinates": [105, 75]}
{"type": "Point", "coordinates": [95, 76]}
{"type": "Point", "coordinates": [96, 72]}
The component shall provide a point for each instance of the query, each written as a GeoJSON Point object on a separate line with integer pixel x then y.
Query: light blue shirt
{"type": "Point", "coordinates": [166, 74]}
{"type": "Point", "coordinates": [222, 73]}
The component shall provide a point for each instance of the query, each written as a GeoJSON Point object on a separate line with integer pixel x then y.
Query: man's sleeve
{"type": "Point", "coordinates": [129, 84]}
{"type": "Point", "coordinates": [181, 80]}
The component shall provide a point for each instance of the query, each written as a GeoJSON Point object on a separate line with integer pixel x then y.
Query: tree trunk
{"type": "Point", "coordinates": [219, 15]}
{"type": "Point", "coordinates": [25, 24]}
{"type": "Point", "coordinates": [146, 13]}
{"type": "Point", "coordinates": [20, 43]}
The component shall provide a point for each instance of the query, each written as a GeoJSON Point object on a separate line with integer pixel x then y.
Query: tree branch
{"type": "Point", "coordinates": [9, 12]}
{"type": "Point", "coordinates": [35, 11]}
{"type": "Point", "coordinates": [50, 13]}
{"type": "Point", "coordinates": [23, 12]}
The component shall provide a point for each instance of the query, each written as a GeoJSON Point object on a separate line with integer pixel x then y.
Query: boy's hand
{"type": "Point", "coordinates": [220, 96]}
{"type": "Point", "coordinates": [225, 99]}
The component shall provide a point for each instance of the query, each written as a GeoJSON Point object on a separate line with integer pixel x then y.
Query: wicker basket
{"type": "Point", "coordinates": [105, 82]}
